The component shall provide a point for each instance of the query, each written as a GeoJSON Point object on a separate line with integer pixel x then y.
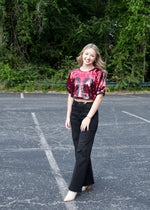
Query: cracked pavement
{"type": "Point", "coordinates": [120, 155]}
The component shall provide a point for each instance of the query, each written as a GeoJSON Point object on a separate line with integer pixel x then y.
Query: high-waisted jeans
{"type": "Point", "coordinates": [83, 142]}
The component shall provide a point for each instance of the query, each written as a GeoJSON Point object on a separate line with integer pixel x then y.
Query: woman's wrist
{"type": "Point", "coordinates": [88, 117]}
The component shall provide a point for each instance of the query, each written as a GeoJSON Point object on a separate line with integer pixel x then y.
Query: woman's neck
{"type": "Point", "coordinates": [86, 68]}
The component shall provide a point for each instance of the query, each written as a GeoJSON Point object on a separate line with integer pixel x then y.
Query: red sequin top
{"type": "Point", "coordinates": [86, 84]}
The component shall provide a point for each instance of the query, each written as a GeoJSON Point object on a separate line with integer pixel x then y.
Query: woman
{"type": "Point", "coordinates": [86, 86]}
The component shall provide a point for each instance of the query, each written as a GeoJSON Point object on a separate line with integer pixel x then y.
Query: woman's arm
{"type": "Point", "coordinates": [95, 105]}
{"type": "Point", "coordinates": [69, 108]}
{"type": "Point", "coordinates": [86, 121]}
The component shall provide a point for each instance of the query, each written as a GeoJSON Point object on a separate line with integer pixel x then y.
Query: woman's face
{"type": "Point", "coordinates": [89, 56]}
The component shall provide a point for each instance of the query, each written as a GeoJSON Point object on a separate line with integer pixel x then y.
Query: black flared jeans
{"type": "Point", "coordinates": [83, 142]}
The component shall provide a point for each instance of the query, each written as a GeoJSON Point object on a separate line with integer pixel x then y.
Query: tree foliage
{"type": "Point", "coordinates": [131, 46]}
{"type": "Point", "coordinates": [47, 35]}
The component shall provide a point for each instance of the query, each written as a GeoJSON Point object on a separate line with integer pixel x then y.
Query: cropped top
{"type": "Point", "coordinates": [86, 84]}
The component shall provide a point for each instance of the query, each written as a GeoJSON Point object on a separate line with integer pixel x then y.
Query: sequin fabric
{"type": "Point", "coordinates": [86, 84]}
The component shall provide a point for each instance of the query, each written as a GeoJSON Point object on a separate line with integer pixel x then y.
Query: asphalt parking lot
{"type": "Point", "coordinates": [37, 155]}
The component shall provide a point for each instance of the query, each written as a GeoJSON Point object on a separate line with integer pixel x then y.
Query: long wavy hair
{"type": "Point", "coordinates": [99, 63]}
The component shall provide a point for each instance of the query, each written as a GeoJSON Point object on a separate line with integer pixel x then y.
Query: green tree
{"type": "Point", "coordinates": [129, 53]}
{"type": "Point", "coordinates": [44, 35]}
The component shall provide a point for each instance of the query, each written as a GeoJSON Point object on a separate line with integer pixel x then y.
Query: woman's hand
{"type": "Point", "coordinates": [86, 121]}
{"type": "Point", "coordinates": [67, 124]}
{"type": "Point", "coordinates": [85, 124]}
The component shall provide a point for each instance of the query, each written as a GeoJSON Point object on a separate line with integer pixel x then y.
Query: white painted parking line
{"type": "Point", "coordinates": [56, 171]}
{"type": "Point", "coordinates": [133, 115]}
{"type": "Point", "coordinates": [21, 95]}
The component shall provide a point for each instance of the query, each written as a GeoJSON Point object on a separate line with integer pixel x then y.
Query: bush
{"type": "Point", "coordinates": [6, 74]}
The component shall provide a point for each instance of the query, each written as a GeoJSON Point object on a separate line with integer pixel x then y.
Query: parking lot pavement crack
{"type": "Point", "coordinates": [32, 201]}
{"type": "Point", "coordinates": [25, 201]}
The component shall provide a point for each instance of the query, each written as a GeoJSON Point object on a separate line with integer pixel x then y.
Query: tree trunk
{"type": "Point", "coordinates": [1, 32]}
{"type": "Point", "coordinates": [1, 25]}
{"type": "Point", "coordinates": [144, 62]}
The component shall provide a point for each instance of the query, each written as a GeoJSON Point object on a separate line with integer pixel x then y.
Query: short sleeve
{"type": "Point", "coordinates": [70, 84]}
{"type": "Point", "coordinates": [101, 84]}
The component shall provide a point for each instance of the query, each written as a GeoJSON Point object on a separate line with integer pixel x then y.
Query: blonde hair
{"type": "Point", "coordinates": [99, 63]}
